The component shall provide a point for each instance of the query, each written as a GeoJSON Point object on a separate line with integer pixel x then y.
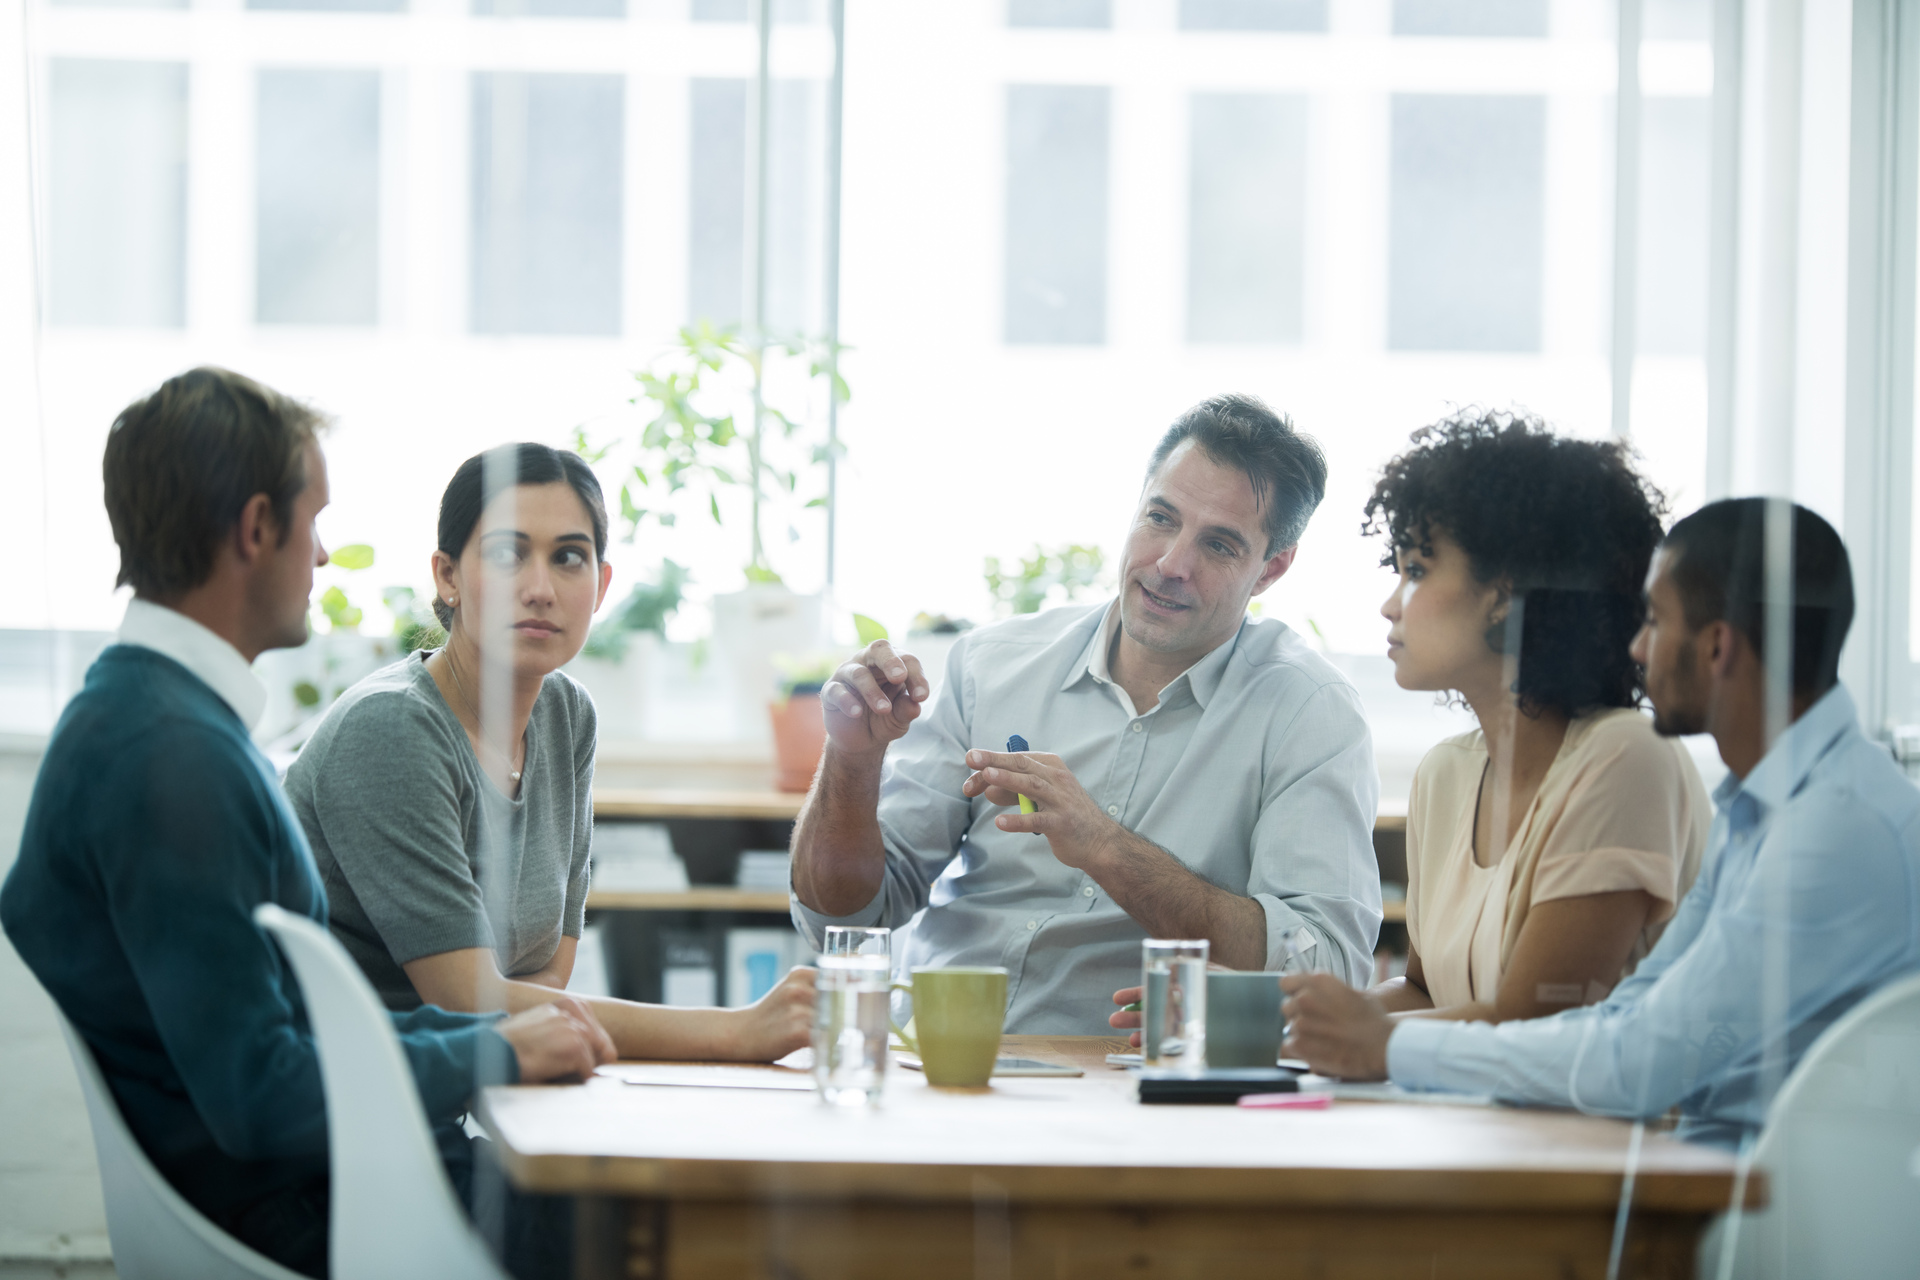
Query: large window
{"type": "Point", "coordinates": [1065, 221]}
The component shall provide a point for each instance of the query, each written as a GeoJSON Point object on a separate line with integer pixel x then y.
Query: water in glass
{"type": "Point", "coordinates": [1173, 1010]}
{"type": "Point", "coordinates": [850, 1029]}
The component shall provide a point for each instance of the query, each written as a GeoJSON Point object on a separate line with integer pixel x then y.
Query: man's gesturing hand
{"type": "Point", "coordinates": [1339, 1031]}
{"type": "Point", "coordinates": [1072, 821]}
{"type": "Point", "coordinates": [1125, 1019]}
{"type": "Point", "coordinates": [872, 699]}
{"type": "Point", "coordinates": [560, 1040]}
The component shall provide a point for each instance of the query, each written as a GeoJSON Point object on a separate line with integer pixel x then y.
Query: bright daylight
{"type": "Point", "coordinates": [1003, 638]}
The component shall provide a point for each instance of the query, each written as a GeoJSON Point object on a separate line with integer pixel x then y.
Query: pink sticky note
{"type": "Point", "coordinates": [1288, 1101]}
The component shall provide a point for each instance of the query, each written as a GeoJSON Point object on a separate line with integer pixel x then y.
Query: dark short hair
{"type": "Point", "coordinates": [476, 484]}
{"type": "Point", "coordinates": [1288, 471]}
{"type": "Point", "coordinates": [1719, 565]}
{"type": "Point", "coordinates": [1570, 522]}
{"type": "Point", "coordinates": [182, 463]}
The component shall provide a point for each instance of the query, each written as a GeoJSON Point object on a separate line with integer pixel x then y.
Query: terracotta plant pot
{"type": "Point", "coordinates": [799, 736]}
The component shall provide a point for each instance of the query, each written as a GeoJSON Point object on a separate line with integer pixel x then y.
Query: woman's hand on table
{"type": "Point", "coordinates": [559, 1040]}
{"type": "Point", "coordinates": [1337, 1030]}
{"type": "Point", "coordinates": [777, 1023]}
{"type": "Point", "coordinates": [1128, 1015]}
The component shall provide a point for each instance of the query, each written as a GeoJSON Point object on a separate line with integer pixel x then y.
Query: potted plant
{"type": "Point", "coordinates": [302, 683]}
{"type": "Point", "coordinates": [714, 435]}
{"type": "Point", "coordinates": [616, 664]}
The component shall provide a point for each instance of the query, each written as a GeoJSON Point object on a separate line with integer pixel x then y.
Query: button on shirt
{"type": "Point", "coordinates": [1809, 900]}
{"type": "Point", "coordinates": [1255, 769]}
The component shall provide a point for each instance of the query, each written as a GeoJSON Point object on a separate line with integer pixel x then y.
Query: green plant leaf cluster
{"type": "Point", "coordinates": [1072, 570]}
{"type": "Point", "coordinates": [646, 608]}
{"type": "Point", "coordinates": [414, 625]}
{"type": "Point", "coordinates": [710, 430]}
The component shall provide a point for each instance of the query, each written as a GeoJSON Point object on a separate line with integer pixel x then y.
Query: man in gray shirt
{"type": "Point", "coordinates": [1194, 773]}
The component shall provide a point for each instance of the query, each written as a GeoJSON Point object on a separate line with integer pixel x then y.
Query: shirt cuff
{"type": "Point", "coordinates": [1429, 1054]}
{"type": "Point", "coordinates": [813, 925]}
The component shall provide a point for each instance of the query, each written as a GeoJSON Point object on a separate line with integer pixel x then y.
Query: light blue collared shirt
{"type": "Point", "coordinates": [1255, 769]}
{"type": "Point", "coordinates": [1808, 901]}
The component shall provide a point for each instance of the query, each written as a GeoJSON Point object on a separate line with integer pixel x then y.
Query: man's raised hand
{"type": "Point", "coordinates": [872, 699]}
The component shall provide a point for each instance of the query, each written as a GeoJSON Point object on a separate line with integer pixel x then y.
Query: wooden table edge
{"type": "Point", "coordinates": [1432, 1190]}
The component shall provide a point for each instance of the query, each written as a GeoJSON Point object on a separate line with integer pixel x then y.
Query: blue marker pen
{"type": "Point", "coordinates": [1018, 743]}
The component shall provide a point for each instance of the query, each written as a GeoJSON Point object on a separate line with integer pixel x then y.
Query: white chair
{"type": "Point", "coordinates": [1841, 1151]}
{"type": "Point", "coordinates": [156, 1234]}
{"type": "Point", "coordinates": [395, 1214]}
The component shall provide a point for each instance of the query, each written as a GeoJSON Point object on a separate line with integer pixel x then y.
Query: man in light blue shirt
{"type": "Point", "coordinates": [1194, 773]}
{"type": "Point", "coordinates": [1809, 899]}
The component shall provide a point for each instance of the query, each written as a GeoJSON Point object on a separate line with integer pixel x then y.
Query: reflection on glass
{"type": "Point", "coordinates": [1470, 18]}
{"type": "Point", "coordinates": [1467, 223]}
{"type": "Point", "coordinates": [333, 6]}
{"type": "Point", "coordinates": [117, 193]}
{"type": "Point", "coordinates": [317, 169]}
{"type": "Point", "coordinates": [1253, 15]}
{"type": "Point", "coordinates": [717, 212]}
{"type": "Point", "coordinates": [742, 10]}
{"type": "Point", "coordinates": [551, 8]}
{"type": "Point", "coordinates": [1056, 253]}
{"type": "Point", "coordinates": [1675, 161]}
{"type": "Point", "coordinates": [547, 153]}
{"type": "Point", "coordinates": [1246, 224]}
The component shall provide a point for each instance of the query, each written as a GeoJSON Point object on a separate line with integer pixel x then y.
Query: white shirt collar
{"type": "Point", "coordinates": [217, 664]}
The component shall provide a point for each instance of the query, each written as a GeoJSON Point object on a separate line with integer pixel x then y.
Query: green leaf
{"type": "Point", "coordinates": [355, 555]}
{"type": "Point", "coordinates": [340, 611]}
{"type": "Point", "coordinates": [820, 501]}
{"type": "Point", "coordinates": [867, 629]}
{"type": "Point", "coordinates": [713, 505]}
{"type": "Point", "coordinates": [306, 693]}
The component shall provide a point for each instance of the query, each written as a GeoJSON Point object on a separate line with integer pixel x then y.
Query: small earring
{"type": "Point", "coordinates": [453, 602]}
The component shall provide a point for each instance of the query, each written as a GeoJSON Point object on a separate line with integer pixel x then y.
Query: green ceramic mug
{"type": "Point", "coordinates": [957, 1014]}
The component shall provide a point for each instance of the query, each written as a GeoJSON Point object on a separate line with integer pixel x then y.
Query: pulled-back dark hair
{"type": "Point", "coordinates": [1719, 566]}
{"type": "Point", "coordinates": [476, 484]}
{"type": "Point", "coordinates": [1570, 522]}
{"type": "Point", "coordinates": [1288, 471]}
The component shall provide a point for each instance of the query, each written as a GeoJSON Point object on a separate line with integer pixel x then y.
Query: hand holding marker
{"type": "Point", "coordinates": [1018, 743]}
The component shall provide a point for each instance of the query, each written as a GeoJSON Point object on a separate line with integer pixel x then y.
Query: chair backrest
{"type": "Point", "coordinates": [395, 1213]}
{"type": "Point", "coordinates": [1841, 1150]}
{"type": "Point", "coordinates": [156, 1234]}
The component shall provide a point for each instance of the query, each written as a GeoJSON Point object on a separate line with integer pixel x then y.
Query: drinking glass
{"type": "Point", "coordinates": [845, 940]}
{"type": "Point", "coordinates": [850, 1028]}
{"type": "Point", "coordinates": [1173, 1010]}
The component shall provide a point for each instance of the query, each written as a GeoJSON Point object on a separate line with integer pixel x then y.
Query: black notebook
{"type": "Point", "coordinates": [1223, 1085]}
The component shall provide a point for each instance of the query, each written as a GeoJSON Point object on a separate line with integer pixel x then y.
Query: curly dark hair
{"type": "Point", "coordinates": [1570, 522]}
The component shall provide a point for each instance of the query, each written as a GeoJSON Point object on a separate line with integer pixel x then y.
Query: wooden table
{"type": "Point", "coordinates": [1071, 1178]}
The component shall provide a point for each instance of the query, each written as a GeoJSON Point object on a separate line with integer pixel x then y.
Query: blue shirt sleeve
{"type": "Point", "coordinates": [1757, 960]}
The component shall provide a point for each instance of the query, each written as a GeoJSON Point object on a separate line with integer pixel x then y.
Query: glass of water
{"type": "Point", "coordinates": [844, 940]}
{"type": "Point", "coordinates": [850, 1028]}
{"type": "Point", "coordinates": [1173, 1009]}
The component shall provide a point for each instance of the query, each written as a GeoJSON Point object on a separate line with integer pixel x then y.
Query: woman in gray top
{"type": "Point", "coordinates": [456, 862]}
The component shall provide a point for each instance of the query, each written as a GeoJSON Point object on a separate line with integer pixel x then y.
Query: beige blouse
{"type": "Point", "coordinates": [1620, 808]}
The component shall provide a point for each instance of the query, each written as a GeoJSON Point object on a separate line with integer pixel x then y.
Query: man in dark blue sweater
{"type": "Point", "coordinates": [156, 827]}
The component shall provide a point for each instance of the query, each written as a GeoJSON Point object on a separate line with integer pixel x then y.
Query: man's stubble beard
{"type": "Point", "coordinates": [1684, 716]}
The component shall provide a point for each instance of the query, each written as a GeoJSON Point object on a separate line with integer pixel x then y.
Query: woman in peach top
{"type": "Point", "coordinates": [1547, 849]}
